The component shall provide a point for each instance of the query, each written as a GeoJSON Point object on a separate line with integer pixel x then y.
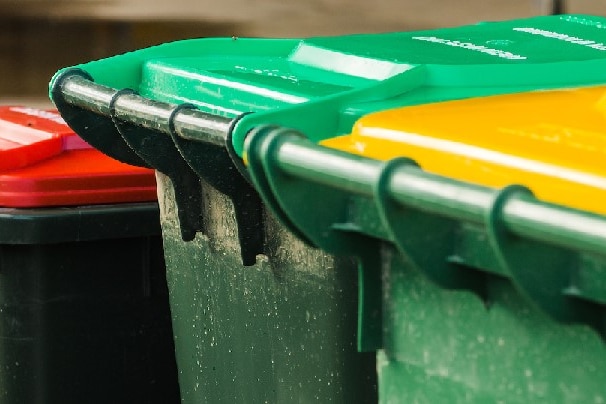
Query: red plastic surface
{"type": "Point", "coordinates": [44, 163]}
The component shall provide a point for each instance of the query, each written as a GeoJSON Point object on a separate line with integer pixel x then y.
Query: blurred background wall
{"type": "Point", "coordinates": [37, 37]}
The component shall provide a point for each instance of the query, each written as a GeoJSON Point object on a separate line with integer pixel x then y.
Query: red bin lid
{"type": "Point", "coordinates": [44, 163]}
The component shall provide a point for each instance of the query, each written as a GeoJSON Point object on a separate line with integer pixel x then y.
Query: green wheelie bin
{"type": "Point", "coordinates": [259, 313]}
{"type": "Point", "coordinates": [491, 216]}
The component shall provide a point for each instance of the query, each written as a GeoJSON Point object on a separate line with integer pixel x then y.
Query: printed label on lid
{"type": "Point", "coordinates": [472, 47]}
{"type": "Point", "coordinates": [563, 37]}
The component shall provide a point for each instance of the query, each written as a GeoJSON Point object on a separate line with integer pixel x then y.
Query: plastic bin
{"type": "Point", "coordinates": [84, 314]}
{"type": "Point", "coordinates": [493, 231]}
{"type": "Point", "coordinates": [284, 328]}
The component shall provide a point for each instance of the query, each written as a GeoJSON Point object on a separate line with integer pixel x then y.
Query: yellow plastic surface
{"type": "Point", "coordinates": [553, 142]}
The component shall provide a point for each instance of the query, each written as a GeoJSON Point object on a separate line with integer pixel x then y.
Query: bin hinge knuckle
{"type": "Point", "coordinates": [117, 145]}
{"type": "Point", "coordinates": [541, 272]}
{"type": "Point", "coordinates": [159, 151]}
{"type": "Point", "coordinates": [213, 164]}
{"type": "Point", "coordinates": [231, 151]}
{"type": "Point", "coordinates": [260, 143]}
{"type": "Point", "coordinates": [84, 114]}
{"type": "Point", "coordinates": [317, 222]}
{"type": "Point", "coordinates": [425, 240]}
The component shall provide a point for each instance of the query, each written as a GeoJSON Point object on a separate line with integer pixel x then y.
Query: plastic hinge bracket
{"type": "Point", "coordinates": [231, 151]}
{"type": "Point", "coordinates": [96, 129]}
{"type": "Point", "coordinates": [541, 272]}
{"type": "Point", "coordinates": [428, 252]}
{"type": "Point", "coordinates": [148, 138]}
{"type": "Point", "coordinates": [159, 151]}
{"type": "Point", "coordinates": [214, 164]}
{"type": "Point", "coordinates": [259, 143]}
{"type": "Point", "coordinates": [314, 223]}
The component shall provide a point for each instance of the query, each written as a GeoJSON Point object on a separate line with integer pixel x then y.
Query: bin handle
{"type": "Point", "coordinates": [191, 133]}
{"type": "Point", "coordinates": [522, 215]}
{"type": "Point", "coordinates": [190, 124]}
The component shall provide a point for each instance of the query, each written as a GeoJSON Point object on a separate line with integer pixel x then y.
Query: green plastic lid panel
{"type": "Point", "coordinates": [337, 79]}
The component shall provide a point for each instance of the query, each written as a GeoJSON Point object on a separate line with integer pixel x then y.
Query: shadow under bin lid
{"type": "Point", "coordinates": [44, 163]}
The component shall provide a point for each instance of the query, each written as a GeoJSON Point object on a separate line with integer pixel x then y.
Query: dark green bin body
{"type": "Point", "coordinates": [454, 346]}
{"type": "Point", "coordinates": [84, 315]}
{"type": "Point", "coordinates": [280, 331]}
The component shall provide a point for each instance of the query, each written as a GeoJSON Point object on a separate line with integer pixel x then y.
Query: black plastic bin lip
{"type": "Point", "coordinates": [81, 223]}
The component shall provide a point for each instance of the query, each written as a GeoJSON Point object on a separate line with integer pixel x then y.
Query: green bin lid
{"type": "Point", "coordinates": [338, 79]}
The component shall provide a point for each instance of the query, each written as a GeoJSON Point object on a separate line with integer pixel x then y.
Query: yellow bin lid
{"type": "Point", "coordinates": [553, 142]}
